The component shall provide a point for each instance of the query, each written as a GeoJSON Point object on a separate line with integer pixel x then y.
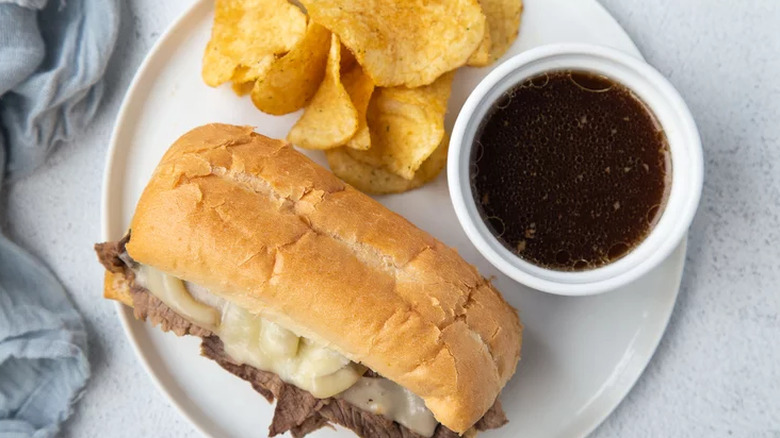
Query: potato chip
{"type": "Point", "coordinates": [244, 80]}
{"type": "Point", "coordinates": [406, 126]}
{"type": "Point", "coordinates": [404, 42]}
{"type": "Point", "coordinates": [360, 87]}
{"type": "Point", "coordinates": [379, 181]}
{"type": "Point", "coordinates": [481, 57]}
{"type": "Point", "coordinates": [243, 88]}
{"type": "Point", "coordinates": [248, 34]}
{"type": "Point", "coordinates": [244, 76]}
{"type": "Point", "coordinates": [347, 59]}
{"type": "Point", "coordinates": [330, 119]}
{"type": "Point", "coordinates": [503, 23]}
{"type": "Point", "coordinates": [294, 78]}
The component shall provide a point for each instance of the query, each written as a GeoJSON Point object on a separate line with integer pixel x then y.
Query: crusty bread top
{"type": "Point", "coordinates": [263, 226]}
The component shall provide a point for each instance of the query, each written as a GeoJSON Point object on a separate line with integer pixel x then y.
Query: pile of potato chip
{"type": "Point", "coordinates": [373, 76]}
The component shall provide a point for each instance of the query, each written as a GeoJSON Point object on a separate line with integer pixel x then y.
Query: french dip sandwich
{"type": "Point", "coordinates": [320, 297]}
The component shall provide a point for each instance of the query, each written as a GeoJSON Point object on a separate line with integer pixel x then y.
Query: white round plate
{"type": "Point", "coordinates": [580, 355]}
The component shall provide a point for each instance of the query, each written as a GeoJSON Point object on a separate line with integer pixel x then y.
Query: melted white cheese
{"type": "Point", "coordinates": [253, 340]}
{"type": "Point", "coordinates": [299, 361]}
{"type": "Point", "coordinates": [384, 397]}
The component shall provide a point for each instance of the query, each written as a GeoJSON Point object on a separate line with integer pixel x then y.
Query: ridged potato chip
{"type": "Point", "coordinates": [406, 126]}
{"type": "Point", "coordinates": [378, 181]}
{"type": "Point", "coordinates": [292, 80]}
{"type": "Point", "coordinates": [360, 87]}
{"type": "Point", "coordinates": [247, 35]}
{"type": "Point", "coordinates": [503, 23]}
{"type": "Point", "coordinates": [243, 88]}
{"type": "Point", "coordinates": [330, 119]}
{"type": "Point", "coordinates": [481, 57]}
{"type": "Point", "coordinates": [404, 42]}
{"type": "Point", "coordinates": [244, 80]}
{"type": "Point", "coordinates": [347, 59]}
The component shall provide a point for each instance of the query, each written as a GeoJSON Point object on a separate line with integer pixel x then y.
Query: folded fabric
{"type": "Point", "coordinates": [61, 97]}
{"type": "Point", "coordinates": [43, 360]}
{"type": "Point", "coordinates": [52, 57]}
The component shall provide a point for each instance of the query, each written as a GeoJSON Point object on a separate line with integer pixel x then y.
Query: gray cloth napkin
{"type": "Point", "coordinates": [52, 56]}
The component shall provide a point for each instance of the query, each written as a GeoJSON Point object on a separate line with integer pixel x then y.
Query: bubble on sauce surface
{"type": "Point", "coordinates": [580, 265]}
{"type": "Point", "coordinates": [618, 250]}
{"type": "Point", "coordinates": [478, 151]}
{"type": "Point", "coordinates": [497, 225]}
{"type": "Point", "coordinates": [540, 81]}
{"type": "Point", "coordinates": [591, 82]}
{"type": "Point", "coordinates": [652, 214]}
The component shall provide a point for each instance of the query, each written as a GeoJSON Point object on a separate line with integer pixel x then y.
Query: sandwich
{"type": "Point", "coordinates": [321, 298]}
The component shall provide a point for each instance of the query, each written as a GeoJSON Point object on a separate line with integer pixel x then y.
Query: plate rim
{"type": "Point", "coordinates": [125, 315]}
{"type": "Point", "coordinates": [662, 324]}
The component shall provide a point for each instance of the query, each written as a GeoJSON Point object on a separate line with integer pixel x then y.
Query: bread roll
{"type": "Point", "coordinates": [262, 226]}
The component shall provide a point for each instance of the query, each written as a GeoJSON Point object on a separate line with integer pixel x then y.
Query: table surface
{"type": "Point", "coordinates": [717, 370]}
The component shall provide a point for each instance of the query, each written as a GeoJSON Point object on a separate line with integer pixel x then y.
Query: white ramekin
{"type": "Point", "coordinates": [668, 107]}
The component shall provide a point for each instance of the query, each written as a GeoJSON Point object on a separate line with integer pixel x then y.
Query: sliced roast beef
{"type": "Point", "coordinates": [297, 411]}
{"type": "Point", "coordinates": [294, 407]}
{"type": "Point", "coordinates": [148, 307]}
{"type": "Point", "coordinates": [493, 418]}
{"type": "Point", "coordinates": [109, 254]}
{"type": "Point", "coordinates": [310, 425]}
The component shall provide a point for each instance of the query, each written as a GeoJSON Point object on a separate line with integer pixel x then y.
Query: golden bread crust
{"type": "Point", "coordinates": [116, 287]}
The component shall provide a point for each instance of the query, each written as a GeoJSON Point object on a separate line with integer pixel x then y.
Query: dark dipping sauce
{"type": "Point", "coordinates": [570, 170]}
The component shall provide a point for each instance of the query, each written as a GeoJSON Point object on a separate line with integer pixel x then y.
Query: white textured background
{"type": "Point", "coordinates": [717, 371]}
